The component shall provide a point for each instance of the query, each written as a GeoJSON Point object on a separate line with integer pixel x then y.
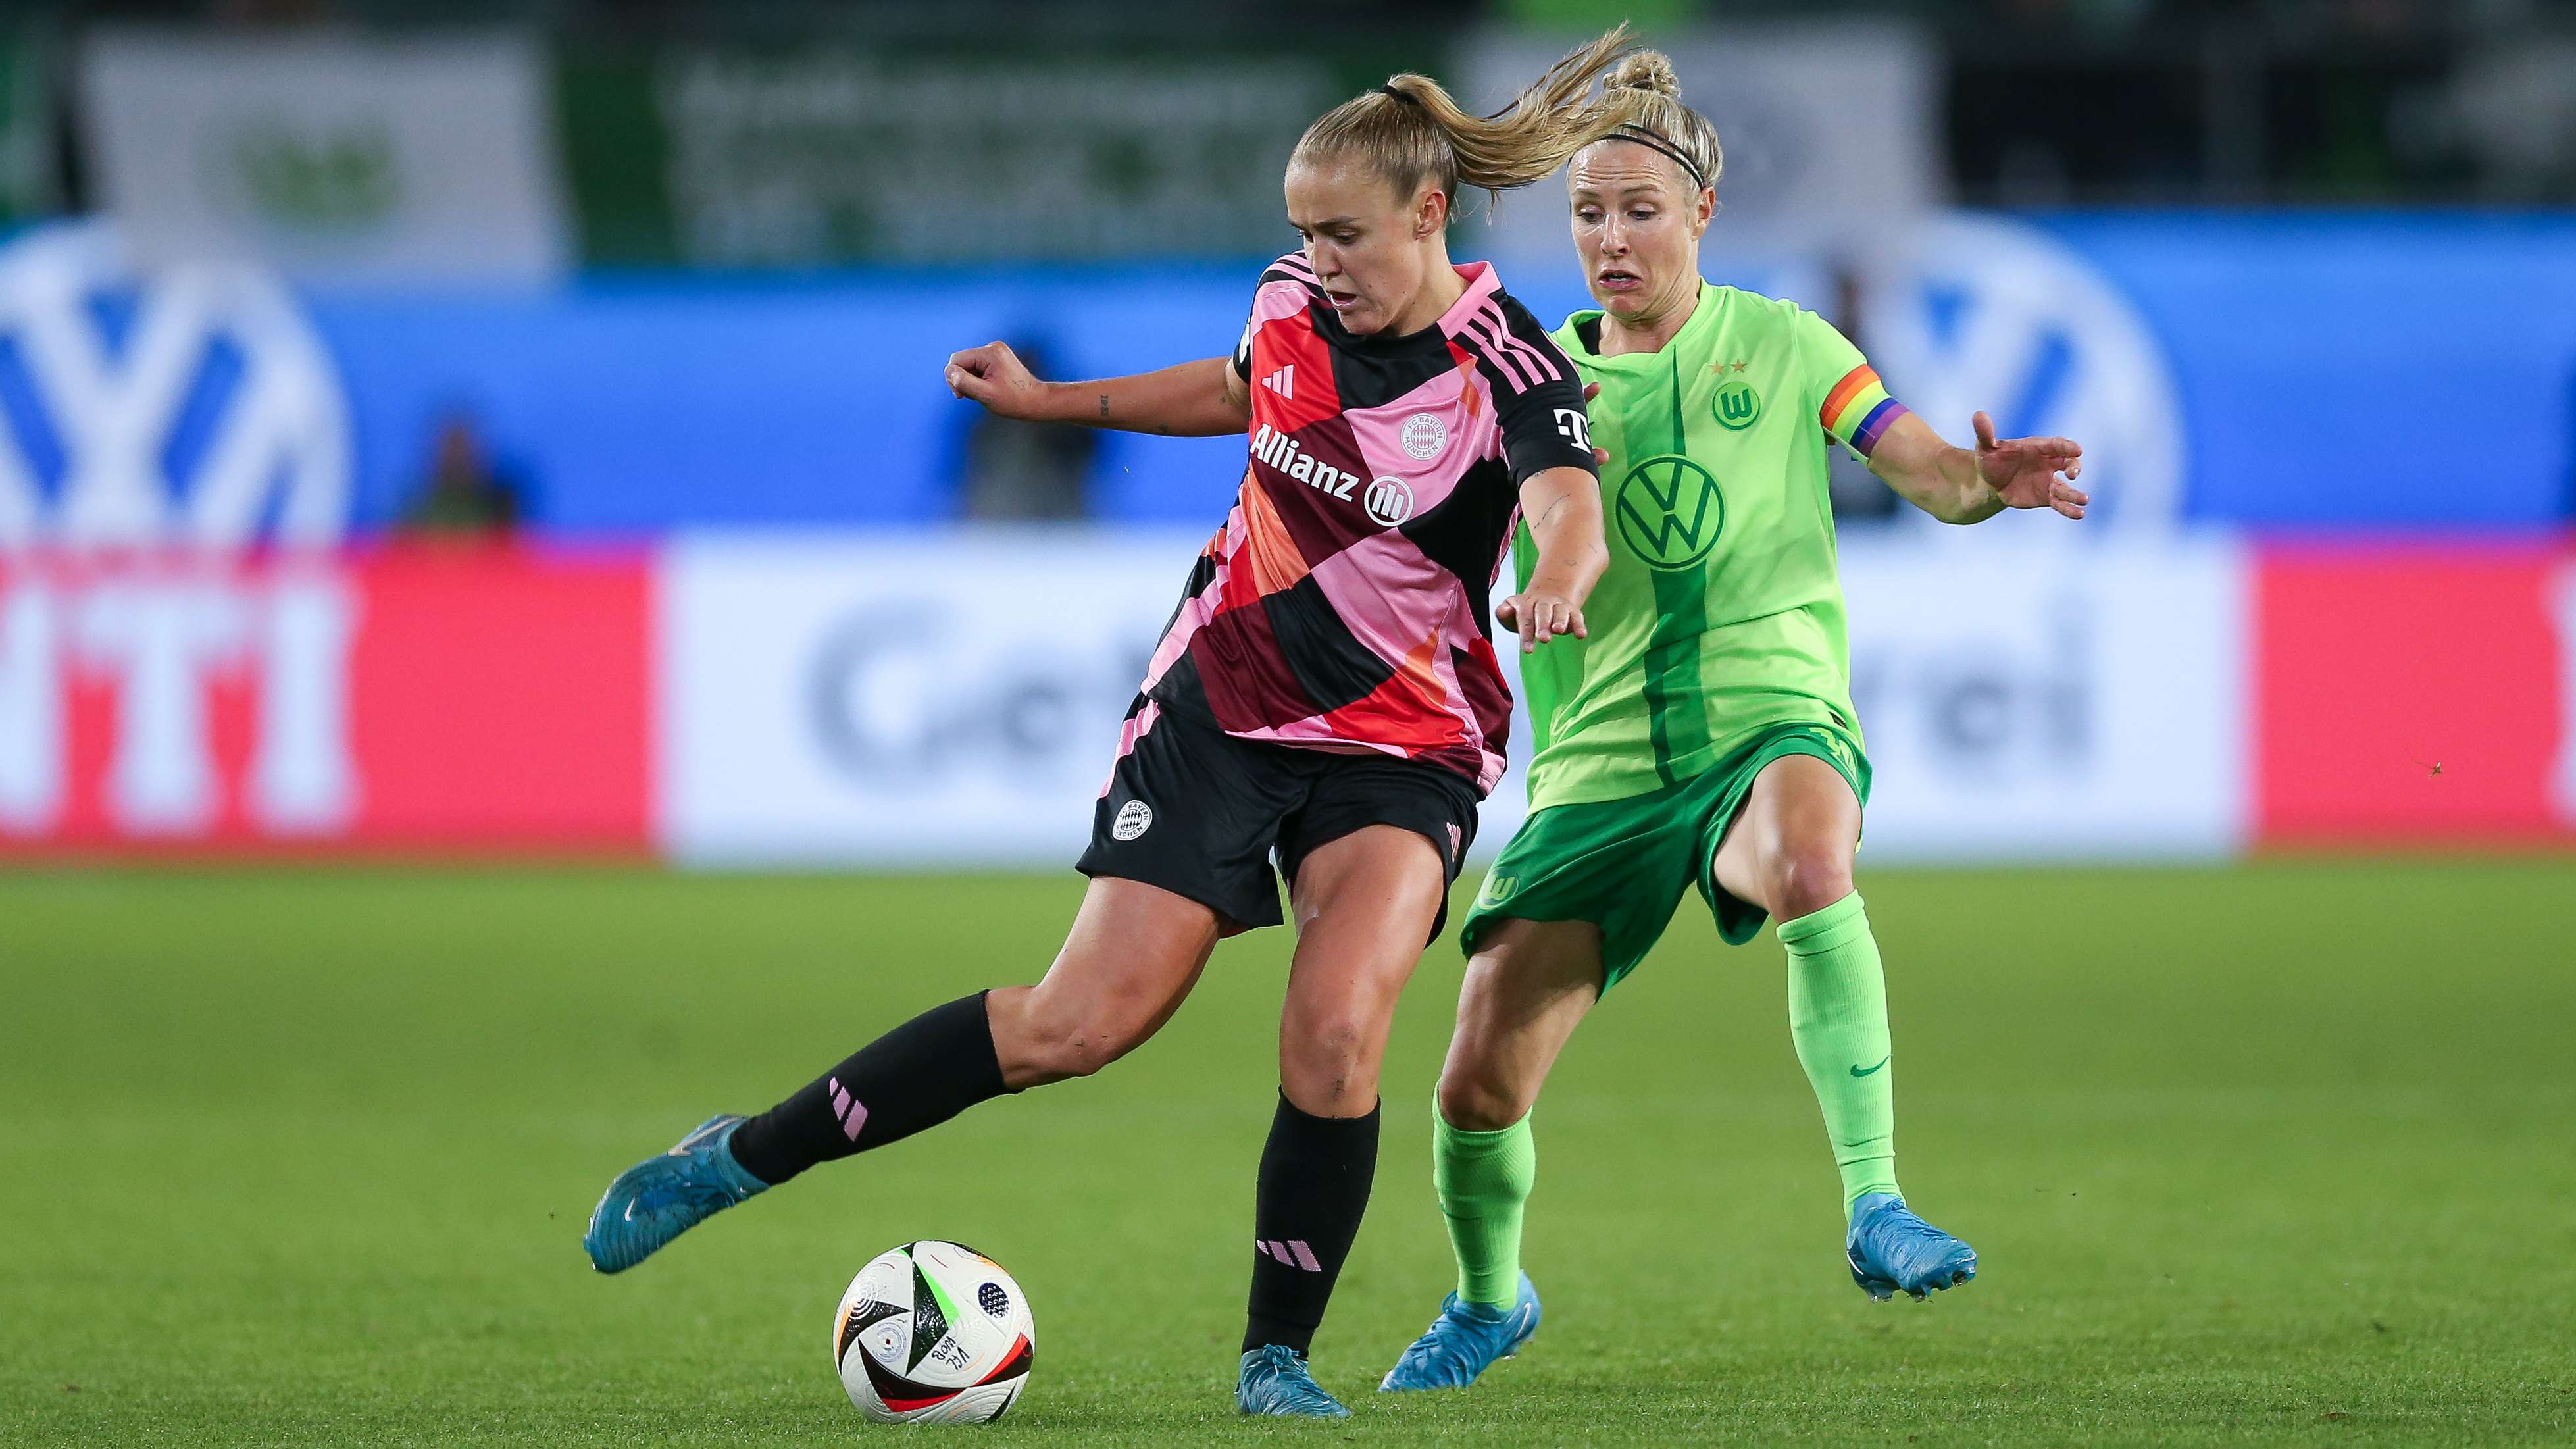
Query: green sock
{"type": "Point", "coordinates": [1838, 1018]}
{"type": "Point", "coordinates": [1483, 1178]}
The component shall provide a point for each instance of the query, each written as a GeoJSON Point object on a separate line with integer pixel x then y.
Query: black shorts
{"type": "Point", "coordinates": [1200, 813]}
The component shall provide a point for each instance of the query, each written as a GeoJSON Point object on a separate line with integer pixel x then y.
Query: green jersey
{"type": "Point", "coordinates": [1722, 610]}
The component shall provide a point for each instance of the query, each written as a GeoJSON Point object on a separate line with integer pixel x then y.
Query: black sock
{"type": "Point", "coordinates": [1315, 1177]}
{"type": "Point", "coordinates": [909, 1080]}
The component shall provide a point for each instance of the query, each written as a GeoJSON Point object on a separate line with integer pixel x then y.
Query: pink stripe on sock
{"type": "Point", "coordinates": [1305, 1258]}
{"type": "Point", "coordinates": [852, 1112]}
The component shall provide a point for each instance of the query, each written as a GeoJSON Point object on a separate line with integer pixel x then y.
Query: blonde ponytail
{"type": "Point", "coordinates": [1411, 131]}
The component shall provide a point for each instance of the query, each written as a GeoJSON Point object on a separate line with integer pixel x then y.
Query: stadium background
{"type": "Point", "coordinates": [468, 470]}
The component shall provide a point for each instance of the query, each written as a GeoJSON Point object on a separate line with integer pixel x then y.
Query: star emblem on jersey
{"type": "Point", "coordinates": [1283, 382]}
{"type": "Point", "coordinates": [1737, 403]}
{"type": "Point", "coordinates": [1669, 511]}
{"type": "Point", "coordinates": [1423, 436]}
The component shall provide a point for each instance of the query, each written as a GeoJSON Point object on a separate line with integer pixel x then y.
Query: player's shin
{"type": "Point", "coordinates": [909, 1080]}
{"type": "Point", "coordinates": [1484, 1179]}
{"type": "Point", "coordinates": [1314, 1189]}
{"type": "Point", "coordinates": [1838, 1019]}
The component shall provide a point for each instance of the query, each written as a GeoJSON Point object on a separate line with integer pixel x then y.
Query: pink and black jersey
{"type": "Point", "coordinates": [1343, 605]}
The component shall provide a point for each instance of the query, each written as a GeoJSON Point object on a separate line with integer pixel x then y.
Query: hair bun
{"type": "Point", "coordinates": [1644, 70]}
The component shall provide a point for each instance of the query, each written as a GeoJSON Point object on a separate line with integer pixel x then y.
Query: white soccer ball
{"type": "Point", "coordinates": [932, 1332]}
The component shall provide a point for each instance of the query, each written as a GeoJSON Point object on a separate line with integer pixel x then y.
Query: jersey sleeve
{"type": "Point", "coordinates": [1290, 269]}
{"type": "Point", "coordinates": [1853, 405]}
{"type": "Point", "coordinates": [1538, 399]}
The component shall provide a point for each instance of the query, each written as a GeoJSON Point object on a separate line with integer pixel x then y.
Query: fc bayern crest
{"type": "Point", "coordinates": [1134, 819]}
{"type": "Point", "coordinates": [1424, 436]}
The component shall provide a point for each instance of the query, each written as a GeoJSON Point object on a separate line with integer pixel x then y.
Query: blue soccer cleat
{"type": "Point", "coordinates": [1892, 1251]}
{"type": "Point", "coordinates": [664, 1196]}
{"type": "Point", "coordinates": [1463, 1342]}
{"type": "Point", "coordinates": [1275, 1381]}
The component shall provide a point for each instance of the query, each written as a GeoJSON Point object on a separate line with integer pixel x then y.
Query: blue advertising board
{"type": "Point", "coordinates": [2294, 372]}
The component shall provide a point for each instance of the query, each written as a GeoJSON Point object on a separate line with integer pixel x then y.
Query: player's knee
{"type": "Point", "coordinates": [1329, 1062]}
{"type": "Point", "coordinates": [1334, 1041]}
{"type": "Point", "coordinates": [1806, 879]}
{"type": "Point", "coordinates": [1057, 1045]}
{"type": "Point", "coordinates": [1472, 1102]}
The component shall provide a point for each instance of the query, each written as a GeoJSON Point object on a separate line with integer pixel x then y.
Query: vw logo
{"type": "Point", "coordinates": [1670, 511]}
{"type": "Point", "coordinates": [2002, 315]}
{"type": "Point", "coordinates": [207, 410]}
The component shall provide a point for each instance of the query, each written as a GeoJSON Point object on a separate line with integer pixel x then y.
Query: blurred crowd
{"type": "Point", "coordinates": [2315, 20]}
{"type": "Point", "coordinates": [2049, 102]}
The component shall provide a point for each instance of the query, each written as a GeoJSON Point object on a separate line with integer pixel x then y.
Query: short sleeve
{"type": "Point", "coordinates": [1243, 350]}
{"type": "Point", "coordinates": [1854, 406]}
{"type": "Point", "coordinates": [1290, 270]}
{"type": "Point", "coordinates": [1538, 400]}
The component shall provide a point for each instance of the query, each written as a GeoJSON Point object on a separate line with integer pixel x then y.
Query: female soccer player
{"type": "Point", "coordinates": [1327, 691]}
{"type": "Point", "coordinates": [1703, 733]}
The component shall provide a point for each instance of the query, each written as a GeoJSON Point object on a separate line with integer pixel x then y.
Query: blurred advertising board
{"type": "Point", "coordinates": [423, 700]}
{"type": "Point", "coordinates": [1831, 131]}
{"type": "Point", "coordinates": [651, 404]}
{"type": "Point", "coordinates": [210, 414]}
{"type": "Point", "coordinates": [952, 698]}
{"type": "Point", "coordinates": [877, 701]}
{"type": "Point", "coordinates": [745, 157]}
{"type": "Point", "coordinates": [2416, 693]}
{"type": "Point", "coordinates": [895, 700]}
{"type": "Point", "coordinates": [2030, 702]}
{"type": "Point", "coordinates": [27, 185]}
{"type": "Point", "coordinates": [2171, 347]}
{"type": "Point", "coordinates": [334, 156]}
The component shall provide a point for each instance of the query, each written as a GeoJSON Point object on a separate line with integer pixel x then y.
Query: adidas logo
{"type": "Point", "coordinates": [1283, 382]}
{"type": "Point", "coordinates": [1294, 1253]}
{"type": "Point", "coordinates": [853, 1113]}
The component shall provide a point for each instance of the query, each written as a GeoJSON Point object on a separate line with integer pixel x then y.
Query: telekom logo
{"type": "Point", "coordinates": [149, 428]}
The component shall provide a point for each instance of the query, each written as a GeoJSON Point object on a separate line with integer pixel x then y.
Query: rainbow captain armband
{"type": "Point", "coordinates": [1859, 411]}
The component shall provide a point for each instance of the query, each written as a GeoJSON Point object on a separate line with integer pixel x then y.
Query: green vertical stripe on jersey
{"type": "Point", "coordinates": [1677, 717]}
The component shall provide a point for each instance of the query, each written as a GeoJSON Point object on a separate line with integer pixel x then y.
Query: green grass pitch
{"type": "Point", "coordinates": [2283, 1154]}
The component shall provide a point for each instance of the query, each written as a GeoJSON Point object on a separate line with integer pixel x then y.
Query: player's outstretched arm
{"type": "Point", "coordinates": [1201, 399]}
{"type": "Point", "coordinates": [1563, 506]}
{"type": "Point", "coordinates": [1960, 485]}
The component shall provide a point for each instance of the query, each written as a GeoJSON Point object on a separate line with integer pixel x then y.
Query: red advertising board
{"type": "Point", "coordinates": [411, 699]}
{"type": "Point", "coordinates": [481, 700]}
{"type": "Point", "coordinates": [2415, 695]}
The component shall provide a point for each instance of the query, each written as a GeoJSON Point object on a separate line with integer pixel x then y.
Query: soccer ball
{"type": "Point", "coordinates": [932, 1332]}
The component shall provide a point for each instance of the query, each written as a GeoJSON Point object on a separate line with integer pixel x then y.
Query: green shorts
{"type": "Point", "coordinates": [1623, 864]}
